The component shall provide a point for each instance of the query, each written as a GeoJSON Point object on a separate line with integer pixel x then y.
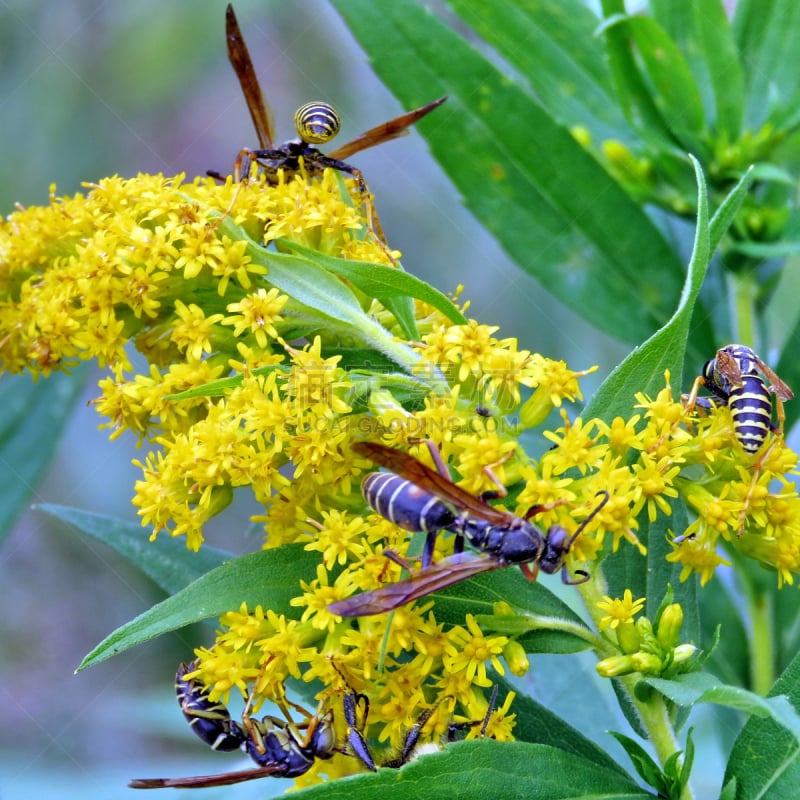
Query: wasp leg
{"type": "Point", "coordinates": [355, 736]}
{"type": "Point", "coordinates": [410, 743]}
{"type": "Point", "coordinates": [692, 400]}
{"type": "Point", "coordinates": [373, 221]}
{"type": "Point", "coordinates": [748, 498]}
{"type": "Point", "coordinates": [457, 727]}
{"type": "Point", "coordinates": [780, 413]}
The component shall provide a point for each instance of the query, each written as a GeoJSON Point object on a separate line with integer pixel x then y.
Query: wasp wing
{"type": "Point", "coordinates": [408, 467]}
{"type": "Point", "coordinates": [392, 129]}
{"type": "Point", "coordinates": [778, 387]}
{"type": "Point", "coordinates": [444, 573]}
{"type": "Point", "coordinates": [199, 781]}
{"type": "Point", "coordinates": [242, 64]}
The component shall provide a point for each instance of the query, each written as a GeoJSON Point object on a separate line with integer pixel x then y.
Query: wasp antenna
{"type": "Point", "coordinates": [595, 511]}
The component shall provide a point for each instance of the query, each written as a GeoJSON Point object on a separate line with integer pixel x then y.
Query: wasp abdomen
{"type": "Point", "coordinates": [211, 721]}
{"type": "Point", "coordinates": [405, 504]}
{"type": "Point", "coordinates": [316, 122]}
{"type": "Point", "coordinates": [751, 409]}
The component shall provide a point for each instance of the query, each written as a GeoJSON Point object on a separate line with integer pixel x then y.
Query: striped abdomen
{"type": "Point", "coordinates": [211, 721]}
{"type": "Point", "coordinates": [751, 409]}
{"type": "Point", "coordinates": [405, 504]}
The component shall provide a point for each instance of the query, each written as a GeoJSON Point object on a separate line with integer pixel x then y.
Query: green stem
{"type": "Point", "coordinates": [742, 292]}
{"type": "Point", "coordinates": [650, 706]}
{"type": "Point", "coordinates": [761, 633]}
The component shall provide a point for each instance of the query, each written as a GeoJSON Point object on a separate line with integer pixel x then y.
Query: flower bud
{"type": "Point", "coordinates": [669, 626]}
{"type": "Point", "coordinates": [502, 609]}
{"type": "Point", "coordinates": [516, 658]}
{"type": "Point", "coordinates": [628, 637]}
{"type": "Point", "coordinates": [615, 666]}
{"type": "Point", "coordinates": [647, 663]}
{"type": "Point", "coordinates": [535, 409]}
{"type": "Point", "coordinates": [682, 653]}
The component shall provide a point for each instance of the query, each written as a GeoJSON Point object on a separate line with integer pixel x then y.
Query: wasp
{"type": "Point", "coordinates": [734, 377]}
{"type": "Point", "coordinates": [316, 123]}
{"type": "Point", "coordinates": [278, 746]}
{"type": "Point", "coordinates": [417, 498]}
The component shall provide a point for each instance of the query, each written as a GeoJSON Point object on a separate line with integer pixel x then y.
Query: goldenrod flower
{"type": "Point", "coordinates": [620, 610]}
{"type": "Point", "coordinates": [249, 387]}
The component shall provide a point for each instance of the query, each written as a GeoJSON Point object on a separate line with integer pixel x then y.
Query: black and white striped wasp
{"type": "Point", "coordinates": [316, 123]}
{"type": "Point", "coordinates": [734, 377]}
{"type": "Point", "coordinates": [417, 498]}
{"type": "Point", "coordinates": [282, 748]}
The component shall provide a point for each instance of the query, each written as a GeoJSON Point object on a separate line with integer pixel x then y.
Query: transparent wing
{"type": "Point", "coordinates": [408, 467]}
{"type": "Point", "coordinates": [199, 781]}
{"type": "Point", "coordinates": [438, 576]}
{"type": "Point", "coordinates": [383, 133]}
{"type": "Point", "coordinates": [243, 67]}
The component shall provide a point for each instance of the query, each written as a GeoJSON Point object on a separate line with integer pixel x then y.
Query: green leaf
{"type": "Point", "coordinates": [717, 45]}
{"type": "Point", "coordinates": [166, 560]}
{"type": "Point", "coordinates": [536, 724]}
{"type": "Point", "coordinates": [705, 37]}
{"type": "Point", "coordinates": [729, 208]}
{"type": "Point", "coordinates": [382, 281]}
{"type": "Point", "coordinates": [643, 370]}
{"type": "Point", "coordinates": [549, 203]}
{"type": "Point", "coordinates": [644, 764]}
{"type": "Point", "coordinates": [269, 578]}
{"type": "Point", "coordinates": [766, 37]}
{"type": "Point", "coordinates": [702, 687]}
{"type": "Point", "coordinates": [336, 307]}
{"type": "Point", "coordinates": [673, 88]}
{"type": "Point", "coordinates": [562, 60]}
{"type": "Point", "coordinates": [32, 419]}
{"type": "Point", "coordinates": [633, 95]}
{"type": "Point", "coordinates": [765, 759]}
{"type": "Point", "coordinates": [478, 770]}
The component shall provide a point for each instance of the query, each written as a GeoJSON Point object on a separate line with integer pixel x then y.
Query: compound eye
{"type": "Point", "coordinates": [316, 122]}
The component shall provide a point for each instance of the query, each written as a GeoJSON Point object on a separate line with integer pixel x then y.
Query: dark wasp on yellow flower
{"type": "Point", "coordinates": [316, 123]}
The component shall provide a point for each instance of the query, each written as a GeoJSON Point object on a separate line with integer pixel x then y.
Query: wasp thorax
{"type": "Point", "coordinates": [316, 122]}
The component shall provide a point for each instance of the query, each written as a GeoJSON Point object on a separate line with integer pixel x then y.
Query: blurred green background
{"type": "Point", "coordinates": [91, 89]}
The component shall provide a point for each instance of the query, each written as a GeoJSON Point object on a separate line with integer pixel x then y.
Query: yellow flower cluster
{"type": "Point", "coordinates": [248, 386]}
{"type": "Point", "coordinates": [142, 261]}
{"type": "Point", "coordinates": [651, 648]}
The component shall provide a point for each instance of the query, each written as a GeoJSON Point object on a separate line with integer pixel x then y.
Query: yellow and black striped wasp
{"type": "Point", "coordinates": [734, 377]}
{"type": "Point", "coordinates": [316, 123]}
{"type": "Point", "coordinates": [417, 498]}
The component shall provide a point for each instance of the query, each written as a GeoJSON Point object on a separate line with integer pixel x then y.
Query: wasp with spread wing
{"type": "Point", "coordinates": [316, 123]}
{"type": "Point", "coordinates": [418, 498]}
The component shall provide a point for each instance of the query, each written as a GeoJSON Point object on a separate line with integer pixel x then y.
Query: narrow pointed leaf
{"type": "Point", "coordinates": [270, 578]}
{"type": "Point", "coordinates": [166, 561]}
{"type": "Point", "coordinates": [766, 36]}
{"type": "Point", "coordinates": [562, 60]}
{"type": "Point", "coordinates": [384, 282]}
{"type": "Point", "coordinates": [32, 417]}
{"type": "Point", "coordinates": [697, 687]}
{"type": "Point", "coordinates": [548, 202]}
{"type": "Point", "coordinates": [765, 759]}
{"type": "Point", "coordinates": [673, 89]}
{"type": "Point", "coordinates": [643, 370]}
